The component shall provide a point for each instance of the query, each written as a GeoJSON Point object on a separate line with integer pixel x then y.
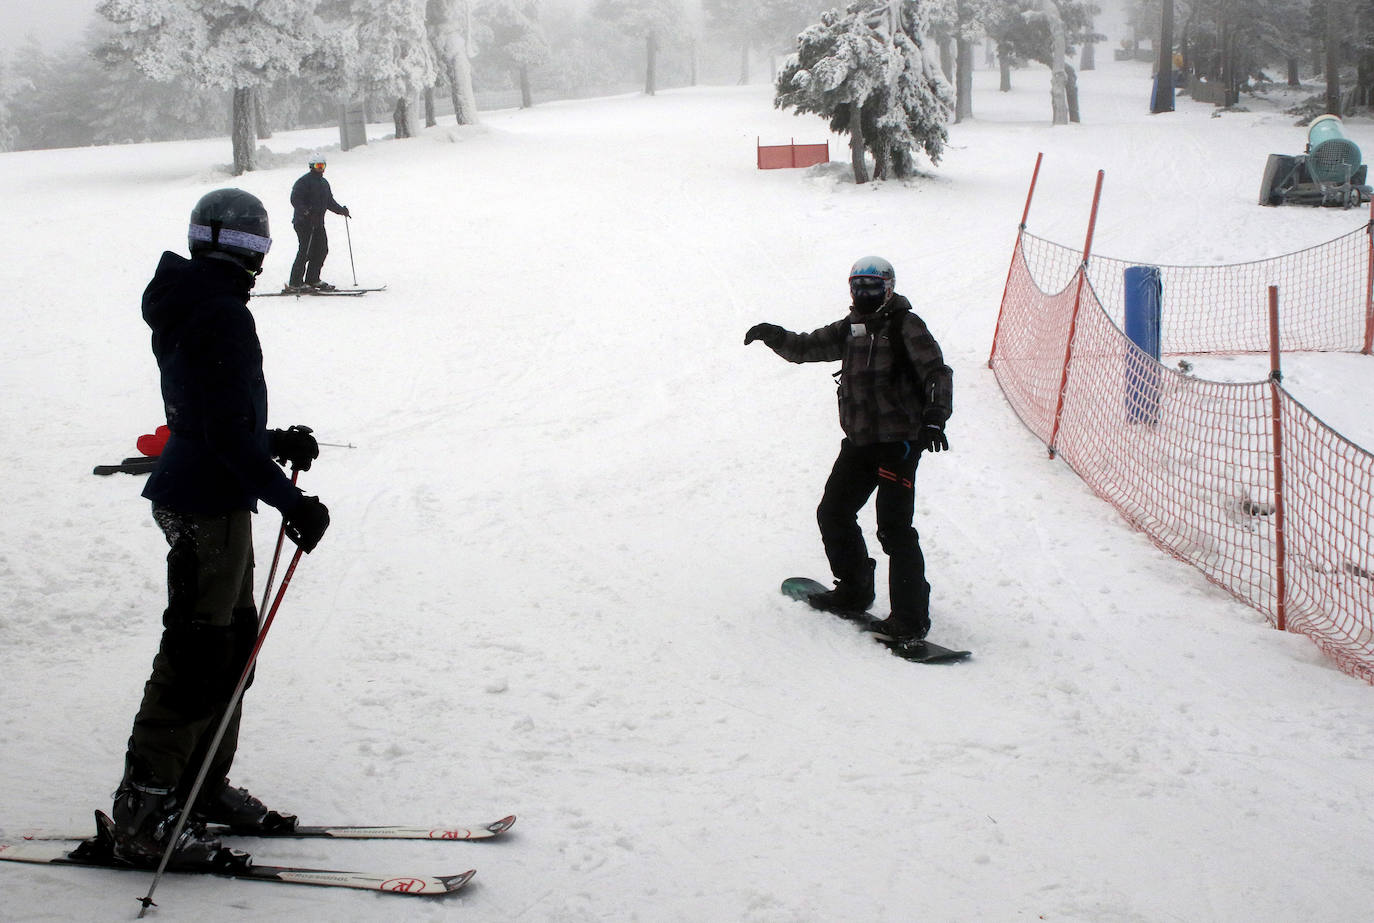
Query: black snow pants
{"type": "Point", "coordinates": [209, 630]}
{"type": "Point", "coordinates": [890, 469]}
{"type": "Point", "coordinates": [313, 247]}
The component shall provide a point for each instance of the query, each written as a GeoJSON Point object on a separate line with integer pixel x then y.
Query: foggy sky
{"type": "Point", "coordinates": [53, 23]}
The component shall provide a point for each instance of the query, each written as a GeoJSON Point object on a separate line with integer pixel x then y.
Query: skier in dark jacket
{"type": "Point", "coordinates": [310, 199]}
{"type": "Point", "coordinates": [895, 395]}
{"type": "Point", "coordinates": [217, 464]}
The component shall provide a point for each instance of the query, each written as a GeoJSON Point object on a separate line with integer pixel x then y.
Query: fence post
{"type": "Point", "coordinates": [1369, 285]}
{"type": "Point", "coordinates": [1073, 322]}
{"type": "Point", "coordinates": [792, 150]}
{"type": "Point", "coordinates": [1280, 544]}
{"type": "Point", "coordinates": [1020, 229]}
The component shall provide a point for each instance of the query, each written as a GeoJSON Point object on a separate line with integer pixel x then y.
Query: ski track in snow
{"type": "Point", "coordinates": [550, 586]}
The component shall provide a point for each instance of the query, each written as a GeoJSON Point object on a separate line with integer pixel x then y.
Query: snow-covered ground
{"type": "Point", "coordinates": [550, 587]}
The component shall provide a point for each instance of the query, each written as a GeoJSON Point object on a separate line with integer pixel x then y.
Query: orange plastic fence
{"type": "Point", "coordinates": [780, 156]}
{"type": "Point", "coordinates": [1191, 463]}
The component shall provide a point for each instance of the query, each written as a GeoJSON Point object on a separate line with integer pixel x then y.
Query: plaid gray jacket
{"type": "Point", "coordinates": [893, 378]}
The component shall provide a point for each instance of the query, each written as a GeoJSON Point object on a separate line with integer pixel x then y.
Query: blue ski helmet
{"type": "Point", "coordinates": [231, 224]}
{"type": "Point", "coordinates": [871, 280]}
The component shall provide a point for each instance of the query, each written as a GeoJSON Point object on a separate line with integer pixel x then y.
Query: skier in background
{"type": "Point", "coordinates": [895, 395]}
{"type": "Point", "coordinates": [217, 463]}
{"type": "Point", "coordinates": [310, 199]}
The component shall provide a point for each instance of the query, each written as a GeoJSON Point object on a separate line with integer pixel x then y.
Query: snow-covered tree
{"type": "Point", "coordinates": [868, 71]}
{"type": "Point", "coordinates": [1046, 31]}
{"type": "Point", "coordinates": [10, 87]}
{"type": "Point", "coordinates": [235, 45]}
{"type": "Point", "coordinates": [450, 33]}
{"type": "Point", "coordinates": [394, 59]}
{"type": "Point", "coordinates": [653, 20]}
{"type": "Point", "coordinates": [960, 23]}
{"type": "Point", "coordinates": [516, 39]}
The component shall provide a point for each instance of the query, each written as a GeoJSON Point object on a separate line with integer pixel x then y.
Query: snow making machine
{"type": "Point", "coordinates": [1331, 172]}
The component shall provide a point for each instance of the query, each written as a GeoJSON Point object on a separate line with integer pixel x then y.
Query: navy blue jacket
{"type": "Point", "coordinates": [206, 344]}
{"type": "Point", "coordinates": [310, 199]}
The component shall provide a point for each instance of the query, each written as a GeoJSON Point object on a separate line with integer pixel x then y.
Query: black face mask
{"type": "Point", "coordinates": [868, 293]}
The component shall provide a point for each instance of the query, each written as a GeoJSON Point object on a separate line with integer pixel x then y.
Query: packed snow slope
{"type": "Point", "coordinates": [551, 583]}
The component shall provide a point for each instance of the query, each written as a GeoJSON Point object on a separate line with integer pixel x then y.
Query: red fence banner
{"type": "Point", "coordinates": [782, 156]}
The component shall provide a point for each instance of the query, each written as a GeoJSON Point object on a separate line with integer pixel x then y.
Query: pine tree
{"type": "Point", "coordinates": [653, 20]}
{"type": "Point", "coordinates": [235, 45]}
{"type": "Point", "coordinates": [395, 60]}
{"type": "Point", "coordinates": [450, 33]}
{"type": "Point", "coordinates": [517, 39]}
{"type": "Point", "coordinates": [869, 73]}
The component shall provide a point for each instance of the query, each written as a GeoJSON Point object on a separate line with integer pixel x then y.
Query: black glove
{"type": "Point", "coordinates": [932, 438]}
{"type": "Point", "coordinates": [306, 524]}
{"type": "Point", "coordinates": [295, 446]}
{"type": "Point", "coordinates": [345, 211]}
{"type": "Point", "coordinates": [771, 334]}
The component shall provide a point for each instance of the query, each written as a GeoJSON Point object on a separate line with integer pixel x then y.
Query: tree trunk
{"type": "Point", "coordinates": [1332, 47]}
{"type": "Point", "coordinates": [650, 63]}
{"type": "Point", "coordinates": [260, 126]}
{"type": "Point", "coordinates": [856, 146]}
{"type": "Point", "coordinates": [459, 76]}
{"type": "Point", "coordinates": [1071, 93]}
{"type": "Point", "coordinates": [947, 59]}
{"type": "Point", "coordinates": [242, 133]}
{"type": "Point", "coordinates": [526, 93]}
{"type": "Point", "coordinates": [1087, 60]}
{"type": "Point", "coordinates": [1163, 98]}
{"type": "Point", "coordinates": [1004, 68]}
{"type": "Point", "coordinates": [1059, 103]}
{"type": "Point", "coordinates": [430, 120]}
{"type": "Point", "coordinates": [963, 84]}
{"type": "Point", "coordinates": [1294, 80]}
{"type": "Point", "coordinates": [400, 116]}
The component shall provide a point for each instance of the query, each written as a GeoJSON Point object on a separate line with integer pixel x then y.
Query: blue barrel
{"type": "Point", "coordinates": [1144, 305]}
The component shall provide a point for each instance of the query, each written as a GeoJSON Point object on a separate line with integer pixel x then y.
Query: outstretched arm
{"type": "Point", "coordinates": [823, 345]}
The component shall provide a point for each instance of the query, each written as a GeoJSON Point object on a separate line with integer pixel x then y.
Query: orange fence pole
{"type": "Point", "coordinates": [1020, 229]}
{"type": "Point", "coordinates": [1280, 548]}
{"type": "Point", "coordinates": [1073, 322]}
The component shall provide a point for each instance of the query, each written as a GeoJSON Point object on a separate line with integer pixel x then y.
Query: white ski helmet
{"type": "Point", "coordinates": [865, 277]}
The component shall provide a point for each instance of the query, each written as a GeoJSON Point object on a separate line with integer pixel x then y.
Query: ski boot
{"type": "Point", "coordinates": [240, 812]}
{"type": "Point", "coordinates": [851, 596]}
{"type": "Point", "coordinates": [141, 825]}
{"type": "Point", "coordinates": [324, 287]}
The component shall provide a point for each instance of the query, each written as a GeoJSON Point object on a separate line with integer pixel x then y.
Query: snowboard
{"type": "Point", "coordinates": [802, 588]}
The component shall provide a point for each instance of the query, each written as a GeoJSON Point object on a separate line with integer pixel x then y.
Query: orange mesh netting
{"type": "Point", "coordinates": [1192, 463]}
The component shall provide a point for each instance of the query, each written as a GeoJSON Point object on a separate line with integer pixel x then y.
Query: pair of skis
{"type": "Point", "coordinates": [314, 292]}
{"type": "Point", "coordinates": [95, 852]}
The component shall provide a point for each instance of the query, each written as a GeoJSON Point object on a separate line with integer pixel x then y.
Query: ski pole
{"type": "Point", "coordinates": [147, 899]}
{"type": "Point", "coordinates": [276, 556]}
{"type": "Point", "coordinates": [349, 235]}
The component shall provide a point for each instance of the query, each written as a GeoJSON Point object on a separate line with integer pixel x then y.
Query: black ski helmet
{"type": "Point", "coordinates": [233, 223]}
{"type": "Point", "coordinates": [871, 280]}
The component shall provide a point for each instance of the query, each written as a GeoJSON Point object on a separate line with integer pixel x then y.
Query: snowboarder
{"type": "Point", "coordinates": [217, 463]}
{"type": "Point", "coordinates": [310, 199]}
{"type": "Point", "coordinates": [895, 395]}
